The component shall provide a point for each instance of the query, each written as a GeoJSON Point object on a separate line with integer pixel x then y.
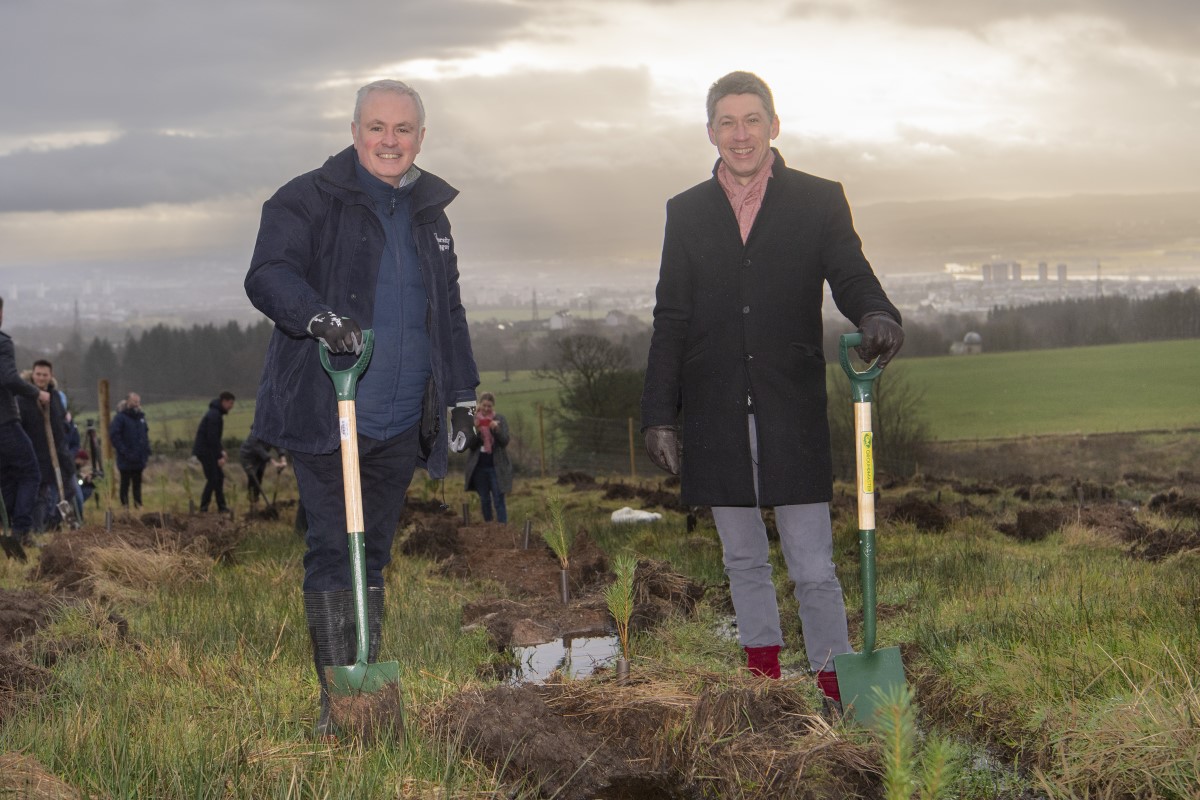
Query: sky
{"type": "Point", "coordinates": [141, 132]}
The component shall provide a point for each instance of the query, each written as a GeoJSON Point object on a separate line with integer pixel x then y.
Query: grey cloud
{"type": "Point", "coordinates": [72, 64]}
{"type": "Point", "coordinates": [139, 169]}
{"type": "Point", "coordinates": [1166, 23]}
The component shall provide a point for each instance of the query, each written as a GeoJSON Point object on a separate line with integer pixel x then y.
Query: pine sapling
{"type": "Point", "coordinates": [557, 536]}
{"type": "Point", "coordinates": [619, 597]}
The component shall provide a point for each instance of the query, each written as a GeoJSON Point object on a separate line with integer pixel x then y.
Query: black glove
{"type": "Point", "coordinates": [881, 338]}
{"type": "Point", "coordinates": [462, 420]}
{"type": "Point", "coordinates": [664, 447]}
{"type": "Point", "coordinates": [338, 334]}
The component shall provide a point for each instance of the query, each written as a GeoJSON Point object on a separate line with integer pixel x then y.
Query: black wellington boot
{"type": "Point", "coordinates": [374, 622]}
{"type": "Point", "coordinates": [331, 627]}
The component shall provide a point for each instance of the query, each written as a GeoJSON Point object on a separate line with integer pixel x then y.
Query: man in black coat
{"type": "Point", "coordinates": [736, 366]}
{"type": "Point", "coordinates": [208, 450]}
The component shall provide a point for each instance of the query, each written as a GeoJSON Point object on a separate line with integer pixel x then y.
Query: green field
{"type": "Point", "coordinates": [1114, 388]}
{"type": "Point", "coordinates": [1149, 386]}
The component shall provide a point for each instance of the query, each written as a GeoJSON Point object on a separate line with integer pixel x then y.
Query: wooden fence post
{"type": "Point", "coordinates": [105, 415]}
{"type": "Point", "coordinates": [632, 459]}
{"type": "Point", "coordinates": [542, 439]}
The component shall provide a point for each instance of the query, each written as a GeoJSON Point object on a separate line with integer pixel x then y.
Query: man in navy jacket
{"type": "Point", "coordinates": [130, 437]}
{"type": "Point", "coordinates": [361, 243]}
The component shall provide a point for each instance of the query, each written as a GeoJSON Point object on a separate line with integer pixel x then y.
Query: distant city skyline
{"type": "Point", "coordinates": [150, 139]}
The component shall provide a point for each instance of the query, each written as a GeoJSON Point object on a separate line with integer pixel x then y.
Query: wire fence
{"type": "Point", "coordinates": [546, 444]}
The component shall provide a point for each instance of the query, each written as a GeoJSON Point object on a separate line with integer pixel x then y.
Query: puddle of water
{"type": "Point", "coordinates": [575, 657]}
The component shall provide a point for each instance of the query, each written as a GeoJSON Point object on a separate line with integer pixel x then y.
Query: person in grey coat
{"type": "Point", "coordinates": [734, 398]}
{"type": "Point", "coordinates": [489, 471]}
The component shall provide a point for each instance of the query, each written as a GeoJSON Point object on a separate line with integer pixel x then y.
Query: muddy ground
{"type": "Point", "coordinates": [660, 736]}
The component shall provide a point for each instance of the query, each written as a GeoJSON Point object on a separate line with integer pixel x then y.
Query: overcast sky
{"type": "Point", "coordinates": [134, 131]}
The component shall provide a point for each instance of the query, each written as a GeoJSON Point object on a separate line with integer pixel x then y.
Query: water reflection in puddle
{"type": "Point", "coordinates": [575, 657]}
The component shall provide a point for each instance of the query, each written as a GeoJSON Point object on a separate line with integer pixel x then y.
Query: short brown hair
{"type": "Point", "coordinates": [740, 83]}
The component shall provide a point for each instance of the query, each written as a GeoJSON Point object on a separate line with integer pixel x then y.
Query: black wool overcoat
{"type": "Point", "coordinates": [734, 321]}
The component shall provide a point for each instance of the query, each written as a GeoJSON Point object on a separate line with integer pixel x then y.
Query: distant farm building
{"type": "Point", "coordinates": [971, 345]}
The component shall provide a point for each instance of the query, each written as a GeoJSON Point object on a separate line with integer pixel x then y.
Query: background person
{"type": "Point", "coordinates": [130, 436]}
{"type": "Point", "coordinates": [736, 349]}
{"type": "Point", "coordinates": [362, 241]}
{"type": "Point", "coordinates": [489, 470]}
{"type": "Point", "coordinates": [20, 474]}
{"type": "Point", "coordinates": [209, 451]}
{"type": "Point", "coordinates": [254, 456]}
{"type": "Point", "coordinates": [46, 515]}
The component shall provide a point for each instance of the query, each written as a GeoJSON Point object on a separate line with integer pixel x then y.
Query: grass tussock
{"type": "Point", "coordinates": [121, 572]}
{"type": "Point", "coordinates": [23, 776]}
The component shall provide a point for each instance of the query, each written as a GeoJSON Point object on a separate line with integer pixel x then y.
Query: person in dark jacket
{"type": "Point", "coordinates": [489, 471]}
{"type": "Point", "coordinates": [208, 450]}
{"type": "Point", "coordinates": [255, 455]}
{"type": "Point", "coordinates": [46, 515]}
{"type": "Point", "coordinates": [130, 437]}
{"type": "Point", "coordinates": [736, 351]}
{"type": "Point", "coordinates": [20, 474]}
{"type": "Point", "coordinates": [362, 242]}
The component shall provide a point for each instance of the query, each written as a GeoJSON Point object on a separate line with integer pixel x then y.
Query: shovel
{"type": "Point", "coordinates": [360, 677]}
{"type": "Point", "coordinates": [66, 509]}
{"type": "Point", "coordinates": [864, 679]}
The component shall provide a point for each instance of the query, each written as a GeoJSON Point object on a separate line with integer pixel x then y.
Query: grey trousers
{"type": "Point", "coordinates": [806, 538]}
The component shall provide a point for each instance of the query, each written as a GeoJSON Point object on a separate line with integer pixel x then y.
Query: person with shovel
{"type": "Point", "coordinates": [255, 455]}
{"type": "Point", "coordinates": [737, 353]}
{"type": "Point", "coordinates": [361, 243]}
{"type": "Point", "coordinates": [20, 474]}
{"type": "Point", "coordinates": [46, 426]}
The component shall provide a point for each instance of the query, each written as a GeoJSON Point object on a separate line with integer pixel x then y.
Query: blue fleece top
{"type": "Point", "coordinates": [388, 400]}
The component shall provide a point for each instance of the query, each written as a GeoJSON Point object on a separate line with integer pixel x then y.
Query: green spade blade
{"type": "Point", "coordinates": [865, 679]}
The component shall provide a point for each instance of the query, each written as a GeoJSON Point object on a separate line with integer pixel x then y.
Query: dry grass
{"type": "Point", "coordinates": [124, 573]}
{"type": "Point", "coordinates": [745, 738]}
{"type": "Point", "coordinates": [24, 777]}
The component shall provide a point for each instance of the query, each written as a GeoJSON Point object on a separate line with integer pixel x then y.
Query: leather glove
{"type": "Point", "coordinates": [881, 338]}
{"type": "Point", "coordinates": [338, 334]}
{"type": "Point", "coordinates": [664, 447]}
{"type": "Point", "coordinates": [462, 422]}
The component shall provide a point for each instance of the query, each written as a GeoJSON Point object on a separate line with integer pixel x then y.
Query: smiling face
{"type": "Point", "coordinates": [388, 135]}
{"type": "Point", "coordinates": [742, 131]}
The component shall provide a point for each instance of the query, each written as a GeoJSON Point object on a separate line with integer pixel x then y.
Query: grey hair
{"type": "Point", "coordinates": [740, 83]}
{"type": "Point", "coordinates": [388, 85]}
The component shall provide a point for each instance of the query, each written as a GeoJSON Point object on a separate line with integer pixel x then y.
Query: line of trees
{"type": "Point", "coordinates": [165, 363]}
{"type": "Point", "coordinates": [1079, 322]}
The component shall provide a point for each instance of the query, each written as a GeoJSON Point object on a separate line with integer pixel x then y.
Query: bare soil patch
{"type": "Point", "coordinates": [529, 608]}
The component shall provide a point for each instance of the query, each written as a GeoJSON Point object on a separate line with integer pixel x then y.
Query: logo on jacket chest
{"type": "Point", "coordinates": [443, 243]}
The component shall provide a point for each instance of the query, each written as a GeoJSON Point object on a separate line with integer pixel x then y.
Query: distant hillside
{"type": "Point", "coordinates": [1128, 232]}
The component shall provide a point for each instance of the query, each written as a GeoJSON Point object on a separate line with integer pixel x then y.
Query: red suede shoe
{"type": "Point", "coordinates": [827, 680]}
{"type": "Point", "coordinates": [763, 661]}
